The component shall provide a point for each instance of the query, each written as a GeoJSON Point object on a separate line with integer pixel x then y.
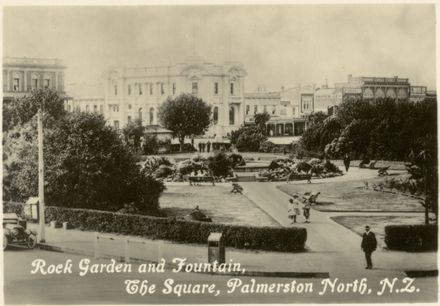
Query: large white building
{"type": "Point", "coordinates": [131, 93]}
{"type": "Point", "coordinates": [22, 75]}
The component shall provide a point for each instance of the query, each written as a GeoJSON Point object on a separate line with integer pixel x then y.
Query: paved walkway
{"type": "Point", "coordinates": [338, 247]}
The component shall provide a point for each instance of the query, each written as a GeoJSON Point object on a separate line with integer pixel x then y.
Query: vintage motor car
{"type": "Point", "coordinates": [15, 232]}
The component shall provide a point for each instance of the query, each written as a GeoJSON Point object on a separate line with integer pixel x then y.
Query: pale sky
{"type": "Point", "coordinates": [278, 45]}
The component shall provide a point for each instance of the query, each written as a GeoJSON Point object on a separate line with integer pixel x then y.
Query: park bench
{"type": "Point", "coordinates": [373, 164]}
{"type": "Point", "coordinates": [383, 171]}
{"type": "Point", "coordinates": [200, 179]}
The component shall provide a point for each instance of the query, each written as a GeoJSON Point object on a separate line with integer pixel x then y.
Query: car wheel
{"type": "Point", "coordinates": [5, 242]}
{"type": "Point", "coordinates": [31, 241]}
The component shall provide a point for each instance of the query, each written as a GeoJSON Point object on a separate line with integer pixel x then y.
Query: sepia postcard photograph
{"type": "Point", "coordinates": [219, 153]}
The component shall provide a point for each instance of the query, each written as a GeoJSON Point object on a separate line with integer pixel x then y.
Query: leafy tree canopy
{"type": "Point", "coordinates": [185, 115]}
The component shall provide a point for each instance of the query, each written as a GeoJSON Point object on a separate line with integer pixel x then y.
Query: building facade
{"type": "Point", "coordinates": [132, 93]}
{"type": "Point", "coordinates": [287, 109]}
{"type": "Point", "coordinates": [372, 88]}
{"type": "Point", "coordinates": [22, 75]}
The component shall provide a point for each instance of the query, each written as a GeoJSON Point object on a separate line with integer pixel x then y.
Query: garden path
{"type": "Point", "coordinates": [339, 245]}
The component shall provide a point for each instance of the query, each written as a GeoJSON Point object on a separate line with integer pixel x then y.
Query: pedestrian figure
{"type": "Point", "coordinates": [368, 245]}
{"type": "Point", "coordinates": [306, 212]}
{"type": "Point", "coordinates": [293, 208]}
{"type": "Point", "coordinates": [208, 146]}
{"type": "Point", "coordinates": [346, 162]}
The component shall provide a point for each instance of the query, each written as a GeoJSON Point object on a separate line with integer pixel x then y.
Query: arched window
{"type": "Point", "coordinates": [215, 115]}
{"type": "Point", "coordinates": [231, 115]}
{"type": "Point", "coordinates": [151, 115]}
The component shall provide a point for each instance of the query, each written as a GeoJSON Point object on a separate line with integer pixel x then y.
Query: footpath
{"type": "Point", "coordinates": [331, 246]}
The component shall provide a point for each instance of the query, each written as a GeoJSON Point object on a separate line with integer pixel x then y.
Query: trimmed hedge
{"type": "Point", "coordinates": [265, 238]}
{"type": "Point", "coordinates": [282, 239]}
{"type": "Point", "coordinates": [421, 237]}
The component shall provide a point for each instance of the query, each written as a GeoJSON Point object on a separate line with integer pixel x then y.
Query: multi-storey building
{"type": "Point", "coordinates": [21, 75]}
{"type": "Point", "coordinates": [324, 98]}
{"type": "Point", "coordinates": [417, 93]}
{"type": "Point", "coordinates": [287, 109]}
{"type": "Point", "coordinates": [131, 93]}
{"type": "Point", "coordinates": [375, 87]}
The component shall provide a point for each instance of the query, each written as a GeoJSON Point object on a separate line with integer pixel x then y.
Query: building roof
{"type": "Point", "coordinates": [33, 62]}
{"type": "Point", "coordinates": [262, 95]}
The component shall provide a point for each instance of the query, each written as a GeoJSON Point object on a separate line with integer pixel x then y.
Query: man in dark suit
{"type": "Point", "coordinates": [368, 245]}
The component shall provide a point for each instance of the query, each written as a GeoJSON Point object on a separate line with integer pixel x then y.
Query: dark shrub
{"type": "Point", "coordinates": [331, 167]}
{"type": "Point", "coordinates": [236, 160]}
{"type": "Point", "coordinates": [267, 147]}
{"type": "Point", "coordinates": [421, 237]}
{"type": "Point", "coordinates": [151, 144]}
{"type": "Point", "coordinates": [283, 239]}
{"type": "Point", "coordinates": [163, 171]}
{"type": "Point", "coordinates": [219, 164]}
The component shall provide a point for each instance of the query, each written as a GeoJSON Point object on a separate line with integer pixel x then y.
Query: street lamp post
{"type": "Point", "coordinates": [41, 175]}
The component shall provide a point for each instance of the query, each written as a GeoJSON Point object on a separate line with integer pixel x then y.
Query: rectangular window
{"type": "Point", "coordinates": [34, 83]}
{"type": "Point", "coordinates": [16, 85]}
{"type": "Point", "coordinates": [116, 90]}
{"type": "Point", "coordinates": [215, 88]}
{"type": "Point", "coordinates": [195, 88]}
{"type": "Point", "coordinates": [116, 124]}
{"type": "Point", "coordinates": [46, 83]}
{"type": "Point", "coordinates": [140, 89]}
{"type": "Point", "coordinates": [87, 108]}
{"type": "Point", "coordinates": [129, 90]}
{"type": "Point", "coordinates": [95, 108]}
{"type": "Point", "coordinates": [151, 89]}
{"type": "Point", "coordinates": [248, 109]}
{"type": "Point", "coordinates": [162, 90]}
{"type": "Point", "coordinates": [101, 109]}
{"type": "Point", "coordinates": [264, 109]}
{"type": "Point", "coordinates": [232, 88]}
{"type": "Point", "coordinates": [255, 109]}
{"type": "Point", "coordinates": [174, 88]}
{"type": "Point", "coordinates": [129, 118]}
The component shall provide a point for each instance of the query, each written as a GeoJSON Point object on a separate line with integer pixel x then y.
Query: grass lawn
{"type": "Point", "coordinates": [217, 202]}
{"type": "Point", "coordinates": [377, 223]}
{"type": "Point", "coordinates": [352, 196]}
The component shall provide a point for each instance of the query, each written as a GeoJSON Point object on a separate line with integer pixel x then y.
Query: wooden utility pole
{"type": "Point", "coordinates": [41, 175]}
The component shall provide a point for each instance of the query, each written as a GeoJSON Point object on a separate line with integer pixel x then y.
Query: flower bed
{"type": "Point", "coordinates": [288, 169]}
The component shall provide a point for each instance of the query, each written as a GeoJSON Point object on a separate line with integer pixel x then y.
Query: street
{"type": "Point", "coordinates": [22, 287]}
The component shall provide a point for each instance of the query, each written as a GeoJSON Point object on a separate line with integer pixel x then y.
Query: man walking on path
{"type": "Point", "coordinates": [346, 162]}
{"type": "Point", "coordinates": [368, 245]}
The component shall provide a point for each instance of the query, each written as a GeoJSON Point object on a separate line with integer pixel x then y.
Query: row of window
{"type": "Point", "coordinates": [265, 110]}
{"type": "Point", "coordinates": [87, 108]}
{"type": "Point", "coordinates": [35, 84]}
{"type": "Point", "coordinates": [149, 86]}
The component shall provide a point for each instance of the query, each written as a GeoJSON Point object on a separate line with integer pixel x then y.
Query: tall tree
{"type": "Point", "coordinates": [22, 110]}
{"type": "Point", "coordinates": [260, 120]}
{"type": "Point", "coordinates": [185, 115]}
{"type": "Point", "coordinates": [133, 132]}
